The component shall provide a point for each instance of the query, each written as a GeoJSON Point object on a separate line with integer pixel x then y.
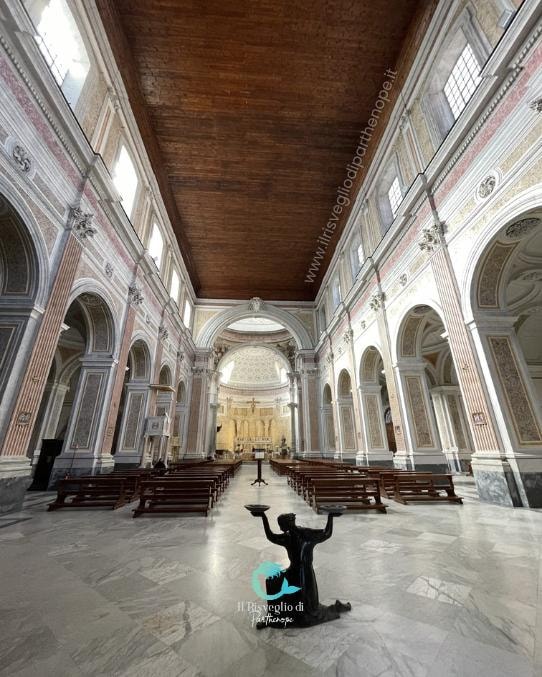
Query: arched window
{"type": "Point", "coordinates": [126, 180]}
{"type": "Point", "coordinates": [62, 46]}
{"type": "Point", "coordinates": [175, 286]}
{"type": "Point", "coordinates": [156, 245]}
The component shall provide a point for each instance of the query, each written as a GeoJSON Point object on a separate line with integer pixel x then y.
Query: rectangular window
{"type": "Point", "coordinates": [175, 287]}
{"type": "Point", "coordinates": [187, 313]}
{"type": "Point", "coordinates": [356, 258]}
{"type": "Point", "coordinates": [156, 245]}
{"type": "Point", "coordinates": [336, 293]}
{"type": "Point", "coordinates": [394, 196]}
{"type": "Point", "coordinates": [463, 80]}
{"type": "Point", "coordinates": [62, 47]}
{"type": "Point", "coordinates": [125, 180]}
{"type": "Point", "coordinates": [322, 318]}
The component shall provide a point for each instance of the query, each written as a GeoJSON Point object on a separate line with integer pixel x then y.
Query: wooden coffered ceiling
{"type": "Point", "coordinates": [250, 111]}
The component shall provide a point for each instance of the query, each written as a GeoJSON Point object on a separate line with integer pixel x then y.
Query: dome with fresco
{"type": "Point", "coordinates": [254, 366]}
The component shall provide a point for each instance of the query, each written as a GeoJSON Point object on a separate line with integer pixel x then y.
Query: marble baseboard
{"type": "Point", "coordinates": [60, 473]}
{"type": "Point", "coordinates": [432, 467]}
{"type": "Point", "coordinates": [12, 492]}
{"type": "Point", "coordinates": [381, 463]}
{"type": "Point", "coordinates": [498, 487]}
{"type": "Point", "coordinates": [532, 486]}
{"type": "Point", "coordinates": [126, 466]}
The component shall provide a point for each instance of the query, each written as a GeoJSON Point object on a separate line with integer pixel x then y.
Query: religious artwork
{"type": "Point", "coordinates": [418, 411]}
{"type": "Point", "coordinates": [298, 581]}
{"type": "Point", "coordinates": [487, 186]}
{"type": "Point", "coordinates": [490, 276]}
{"type": "Point", "coordinates": [514, 390]}
{"type": "Point", "coordinates": [21, 158]}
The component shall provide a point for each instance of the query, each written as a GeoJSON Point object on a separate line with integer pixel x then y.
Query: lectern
{"type": "Point", "coordinates": [259, 456]}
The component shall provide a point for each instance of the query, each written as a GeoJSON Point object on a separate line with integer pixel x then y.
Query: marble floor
{"type": "Point", "coordinates": [436, 590]}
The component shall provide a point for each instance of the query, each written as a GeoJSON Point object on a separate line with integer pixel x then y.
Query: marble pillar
{"type": "Point", "coordinates": [374, 428]}
{"type": "Point", "coordinates": [513, 476]}
{"type": "Point", "coordinates": [452, 426]}
{"type": "Point", "coordinates": [82, 453]}
{"type": "Point", "coordinates": [15, 466]}
{"type": "Point", "coordinates": [199, 406]}
{"type": "Point", "coordinates": [425, 449]}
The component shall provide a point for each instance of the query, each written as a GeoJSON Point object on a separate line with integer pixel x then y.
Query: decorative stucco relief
{"type": "Point", "coordinates": [519, 404]}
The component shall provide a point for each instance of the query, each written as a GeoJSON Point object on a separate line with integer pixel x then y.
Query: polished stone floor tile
{"type": "Point", "coordinates": [436, 591]}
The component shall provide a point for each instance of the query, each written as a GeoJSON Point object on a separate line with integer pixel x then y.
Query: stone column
{"type": "Point", "coordinates": [14, 463]}
{"type": "Point", "coordinates": [493, 474]}
{"type": "Point", "coordinates": [452, 426]}
{"type": "Point", "coordinates": [82, 454]}
{"type": "Point", "coordinates": [199, 406]}
{"type": "Point", "coordinates": [213, 413]}
{"type": "Point", "coordinates": [425, 448]}
{"type": "Point", "coordinates": [374, 427]}
{"type": "Point", "coordinates": [309, 397]}
{"type": "Point", "coordinates": [294, 411]}
{"type": "Point", "coordinates": [129, 451]}
{"type": "Point", "coordinates": [377, 303]}
{"type": "Point", "coordinates": [348, 338]}
{"type": "Point", "coordinates": [149, 444]}
{"type": "Point", "coordinates": [55, 394]}
{"type": "Point", "coordinates": [133, 301]}
{"type": "Point", "coordinates": [513, 476]}
{"type": "Point", "coordinates": [293, 425]}
{"type": "Point", "coordinates": [328, 431]}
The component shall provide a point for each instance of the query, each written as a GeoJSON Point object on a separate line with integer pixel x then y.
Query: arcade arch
{"type": "Point", "coordinates": [74, 402]}
{"type": "Point", "coordinates": [431, 395]}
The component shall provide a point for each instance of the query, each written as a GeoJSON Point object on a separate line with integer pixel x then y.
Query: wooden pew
{"type": "Point", "coordinates": [96, 491]}
{"type": "Point", "coordinates": [355, 494]}
{"type": "Point", "coordinates": [170, 496]}
{"type": "Point", "coordinates": [424, 487]}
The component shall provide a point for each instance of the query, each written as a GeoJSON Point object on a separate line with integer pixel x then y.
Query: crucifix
{"type": "Point", "coordinates": [253, 405]}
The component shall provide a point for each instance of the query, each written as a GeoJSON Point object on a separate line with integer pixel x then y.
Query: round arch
{"type": "Point", "coordinates": [369, 366]}
{"type": "Point", "coordinates": [408, 339]}
{"type": "Point", "coordinates": [524, 205]}
{"type": "Point", "coordinates": [140, 360]}
{"type": "Point", "coordinates": [228, 354]}
{"type": "Point", "coordinates": [165, 377]}
{"type": "Point", "coordinates": [15, 202]}
{"type": "Point", "coordinates": [98, 307]}
{"type": "Point", "coordinates": [181, 392]}
{"type": "Point", "coordinates": [344, 384]}
{"type": "Point", "coordinates": [327, 397]}
{"type": "Point", "coordinates": [217, 324]}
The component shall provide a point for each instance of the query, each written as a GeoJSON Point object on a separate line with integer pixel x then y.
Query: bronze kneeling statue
{"type": "Point", "coordinates": [303, 604]}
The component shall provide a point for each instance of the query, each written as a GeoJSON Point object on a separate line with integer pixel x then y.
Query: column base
{"type": "Point", "coordinates": [79, 464]}
{"type": "Point", "coordinates": [122, 460]}
{"type": "Point", "coordinates": [530, 480]}
{"type": "Point", "coordinates": [459, 461]}
{"type": "Point", "coordinates": [495, 481]}
{"type": "Point", "coordinates": [312, 454]}
{"type": "Point", "coordinates": [431, 462]}
{"type": "Point", "coordinates": [193, 456]}
{"type": "Point", "coordinates": [15, 478]}
{"type": "Point", "coordinates": [329, 454]}
{"type": "Point", "coordinates": [382, 459]}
